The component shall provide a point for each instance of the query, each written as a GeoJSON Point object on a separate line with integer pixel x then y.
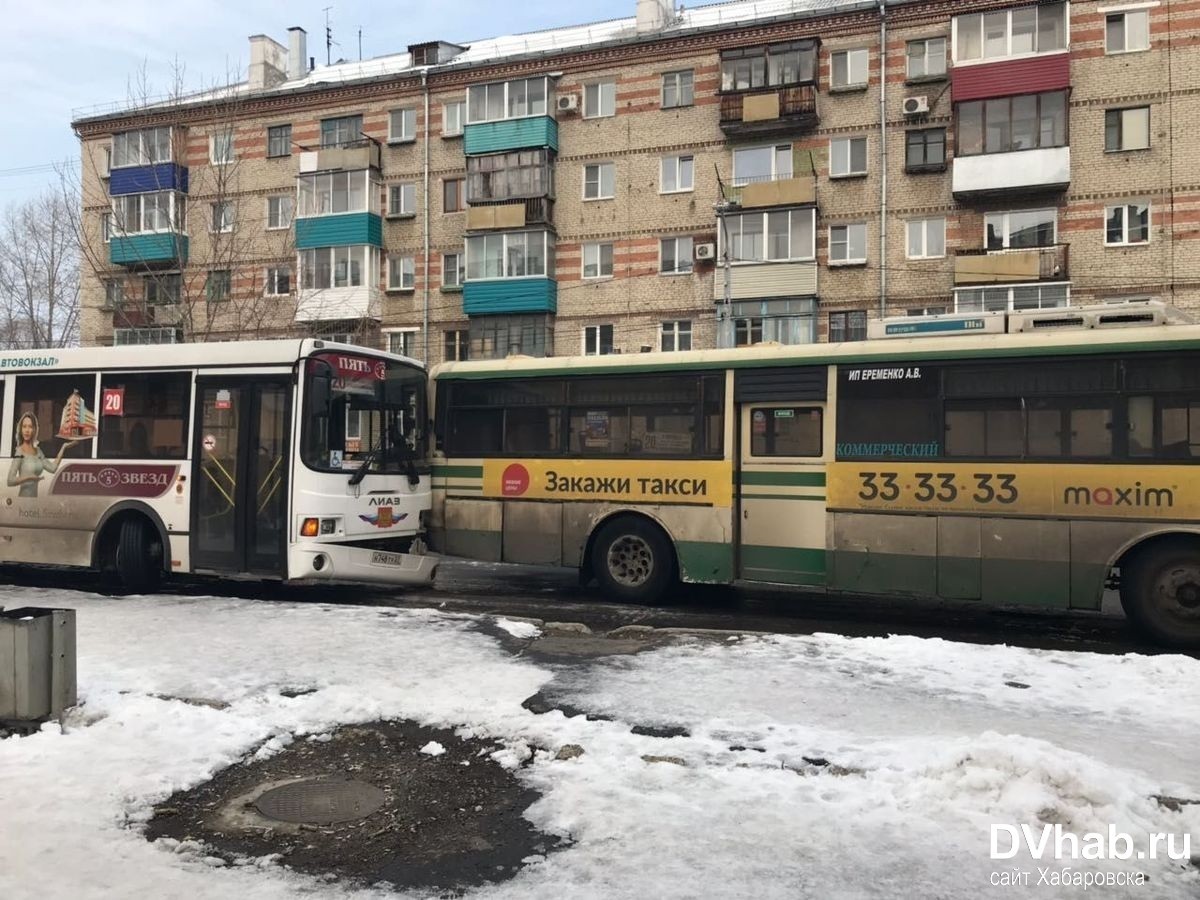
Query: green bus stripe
{"type": "Point", "coordinates": [458, 471]}
{"type": "Point", "coordinates": [820, 497]}
{"type": "Point", "coordinates": [794, 479]}
{"type": "Point", "coordinates": [783, 559]}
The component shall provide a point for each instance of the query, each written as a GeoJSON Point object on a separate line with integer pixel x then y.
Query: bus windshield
{"type": "Point", "coordinates": [362, 410]}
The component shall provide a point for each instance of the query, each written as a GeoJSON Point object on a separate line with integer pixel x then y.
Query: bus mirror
{"type": "Point", "coordinates": [320, 386]}
{"type": "Point", "coordinates": [395, 392]}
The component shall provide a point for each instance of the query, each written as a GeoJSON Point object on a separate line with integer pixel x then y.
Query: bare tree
{"type": "Point", "coordinates": [39, 272]}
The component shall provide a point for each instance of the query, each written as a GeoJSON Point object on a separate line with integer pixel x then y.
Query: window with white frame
{"type": "Point", "coordinates": [147, 213]}
{"type": "Point", "coordinates": [1023, 31]}
{"type": "Point", "coordinates": [770, 236]}
{"type": "Point", "coordinates": [754, 164]}
{"type": "Point", "coordinates": [220, 147]}
{"type": "Point", "coordinates": [1020, 229]}
{"type": "Point", "coordinates": [677, 89]}
{"type": "Point", "coordinates": [848, 243]}
{"type": "Point", "coordinates": [926, 58]}
{"type": "Point", "coordinates": [401, 272]}
{"type": "Point", "coordinates": [402, 126]}
{"type": "Point", "coordinates": [506, 100]}
{"type": "Point", "coordinates": [510, 254]}
{"type": "Point", "coordinates": [403, 342]}
{"type": "Point", "coordinates": [1127, 129]}
{"type": "Point", "coordinates": [1128, 223]}
{"type": "Point", "coordinates": [146, 147]}
{"type": "Point", "coordinates": [599, 181]}
{"type": "Point", "coordinates": [456, 344]}
{"type": "Point", "coordinates": [677, 174]}
{"type": "Point", "coordinates": [453, 270]}
{"type": "Point", "coordinates": [452, 118]}
{"type": "Point", "coordinates": [339, 267]}
{"type": "Point", "coordinates": [847, 157]}
{"type": "Point", "coordinates": [926, 238]}
{"type": "Point", "coordinates": [599, 99]}
{"type": "Point", "coordinates": [106, 160]}
{"type": "Point", "coordinates": [222, 217]}
{"type": "Point", "coordinates": [402, 200]}
{"type": "Point", "coordinates": [279, 281]}
{"type": "Point", "coordinates": [597, 340]}
{"type": "Point", "coordinates": [1127, 32]}
{"type": "Point", "coordinates": [106, 226]}
{"type": "Point", "coordinates": [1017, 297]}
{"type": "Point", "coordinates": [675, 336]}
{"type": "Point", "coordinates": [337, 192]}
{"type": "Point", "coordinates": [280, 210]}
{"type": "Point", "coordinates": [123, 337]}
{"type": "Point", "coordinates": [598, 260]}
{"type": "Point", "coordinates": [849, 67]}
{"type": "Point", "coordinates": [675, 255]}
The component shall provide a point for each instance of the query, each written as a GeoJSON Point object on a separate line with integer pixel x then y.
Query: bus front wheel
{"type": "Point", "coordinates": [633, 560]}
{"type": "Point", "coordinates": [1160, 593]}
{"type": "Point", "coordinates": [139, 558]}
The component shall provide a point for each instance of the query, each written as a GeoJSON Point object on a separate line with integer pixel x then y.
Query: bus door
{"type": "Point", "coordinates": [240, 480]}
{"type": "Point", "coordinates": [784, 441]}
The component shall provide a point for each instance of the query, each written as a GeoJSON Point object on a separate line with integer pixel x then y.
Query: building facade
{"type": "Point", "coordinates": [720, 176]}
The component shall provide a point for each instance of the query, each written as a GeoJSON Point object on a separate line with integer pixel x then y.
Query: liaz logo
{"type": "Point", "coordinates": [1139, 496]}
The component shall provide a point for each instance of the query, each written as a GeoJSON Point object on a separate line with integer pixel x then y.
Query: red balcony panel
{"type": "Point", "coordinates": [1010, 77]}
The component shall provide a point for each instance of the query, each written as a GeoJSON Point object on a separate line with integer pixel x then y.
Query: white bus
{"type": "Point", "coordinates": [288, 459]}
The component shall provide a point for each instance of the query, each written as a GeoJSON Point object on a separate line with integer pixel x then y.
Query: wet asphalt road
{"type": "Point", "coordinates": [554, 595]}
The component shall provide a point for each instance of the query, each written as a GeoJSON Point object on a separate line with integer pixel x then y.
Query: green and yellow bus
{"type": "Point", "coordinates": [1033, 468]}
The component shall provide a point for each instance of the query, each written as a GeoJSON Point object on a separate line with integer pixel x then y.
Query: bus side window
{"type": "Point", "coordinates": [785, 431]}
{"type": "Point", "coordinates": [144, 416]}
{"type": "Point", "coordinates": [1180, 429]}
{"type": "Point", "coordinates": [1141, 426]}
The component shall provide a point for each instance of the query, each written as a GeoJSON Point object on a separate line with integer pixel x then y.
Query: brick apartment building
{"type": "Point", "coordinates": [724, 175]}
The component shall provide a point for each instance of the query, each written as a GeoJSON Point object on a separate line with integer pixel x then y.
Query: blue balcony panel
{"type": "Point", "coordinates": [345, 230]}
{"type": "Point", "coordinates": [145, 179]}
{"type": "Point", "coordinates": [510, 134]}
{"type": "Point", "coordinates": [510, 295]}
{"type": "Point", "coordinates": [149, 249]}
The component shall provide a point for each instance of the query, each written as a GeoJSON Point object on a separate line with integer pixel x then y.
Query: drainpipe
{"type": "Point", "coordinates": [425, 178]}
{"type": "Point", "coordinates": [883, 160]}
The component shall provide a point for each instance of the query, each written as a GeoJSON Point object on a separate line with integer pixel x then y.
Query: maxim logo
{"type": "Point", "coordinates": [1156, 497]}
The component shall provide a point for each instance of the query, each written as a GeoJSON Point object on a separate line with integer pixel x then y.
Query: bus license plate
{"type": "Point", "coordinates": [382, 558]}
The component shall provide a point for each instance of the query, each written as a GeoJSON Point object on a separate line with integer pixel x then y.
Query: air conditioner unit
{"type": "Point", "coordinates": [915, 106]}
{"type": "Point", "coordinates": [568, 102]}
{"type": "Point", "coordinates": [706, 251]}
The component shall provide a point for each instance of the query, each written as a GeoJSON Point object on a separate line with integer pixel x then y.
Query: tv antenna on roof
{"type": "Point", "coordinates": [329, 41]}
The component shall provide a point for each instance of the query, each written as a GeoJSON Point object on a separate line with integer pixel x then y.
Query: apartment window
{"type": "Point", "coordinates": [1127, 224]}
{"type": "Point", "coordinates": [402, 273]}
{"type": "Point", "coordinates": [1020, 230]}
{"type": "Point", "coordinates": [778, 65]}
{"type": "Point", "coordinates": [1010, 32]}
{"type": "Point", "coordinates": [1127, 129]}
{"type": "Point", "coordinates": [279, 281]}
{"type": "Point", "coordinates": [453, 269]}
{"type": "Point", "coordinates": [676, 336]}
{"type": "Point", "coordinates": [848, 243]}
{"type": "Point", "coordinates": [338, 267]}
{"type": "Point", "coordinates": [770, 236]}
{"type": "Point", "coordinates": [850, 67]}
{"type": "Point", "coordinates": [926, 238]}
{"type": "Point", "coordinates": [597, 340]}
{"type": "Point", "coordinates": [847, 157]}
{"type": "Point", "coordinates": [926, 59]}
{"type": "Point", "coordinates": [677, 174]}
{"type": "Point", "coordinates": [925, 311]}
{"type": "Point", "coordinates": [123, 337]}
{"type": "Point", "coordinates": [402, 200]}
{"type": "Point", "coordinates": [677, 89]}
{"type": "Point", "coordinates": [217, 285]}
{"type": "Point", "coordinates": [506, 100]}
{"type": "Point", "coordinates": [1000, 299]}
{"type": "Point", "coordinates": [1008, 124]}
{"type": "Point", "coordinates": [107, 164]}
{"type": "Point", "coordinates": [222, 217]}
{"type": "Point", "coordinates": [455, 344]}
{"type": "Point", "coordinates": [402, 126]}
{"type": "Point", "coordinates": [106, 226]}
{"type": "Point", "coordinates": [753, 164]}
{"type": "Point", "coordinates": [142, 213]}
{"type": "Point", "coordinates": [341, 131]}
{"type": "Point", "coordinates": [220, 147]}
{"type": "Point", "coordinates": [675, 255]}
{"type": "Point", "coordinates": [403, 342]}
{"type": "Point", "coordinates": [598, 260]}
{"type": "Point", "coordinates": [511, 254]}
{"type": "Point", "coordinates": [162, 290]}
{"type": "Point", "coordinates": [141, 148]}
{"type": "Point", "coordinates": [279, 140]}
{"type": "Point", "coordinates": [599, 181]}
{"type": "Point", "coordinates": [280, 210]}
{"type": "Point", "coordinates": [1127, 32]}
{"type": "Point", "coordinates": [599, 99]}
{"type": "Point", "coordinates": [452, 118]}
{"type": "Point", "coordinates": [847, 326]}
{"type": "Point", "coordinates": [506, 176]}
{"type": "Point", "coordinates": [747, 331]}
{"type": "Point", "coordinates": [114, 295]}
{"type": "Point", "coordinates": [925, 150]}
{"type": "Point", "coordinates": [337, 192]}
{"type": "Point", "coordinates": [454, 195]}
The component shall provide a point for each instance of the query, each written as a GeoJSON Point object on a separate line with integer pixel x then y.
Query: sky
{"type": "Point", "coordinates": [64, 57]}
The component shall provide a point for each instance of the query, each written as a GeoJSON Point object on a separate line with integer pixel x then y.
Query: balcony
{"type": "Point", "coordinates": [148, 179]}
{"type": "Point", "coordinates": [348, 157]}
{"type": "Point", "coordinates": [166, 248]}
{"type": "Point", "coordinates": [517, 214]}
{"type": "Point", "coordinates": [770, 113]}
{"type": "Point", "coordinates": [510, 295]}
{"type": "Point", "coordinates": [510, 134]}
{"type": "Point", "coordinates": [342, 230]}
{"type": "Point", "coordinates": [748, 281]}
{"type": "Point", "coordinates": [1021, 171]}
{"type": "Point", "coordinates": [337, 304]}
{"type": "Point", "coordinates": [769, 190]}
{"type": "Point", "coordinates": [1012, 266]}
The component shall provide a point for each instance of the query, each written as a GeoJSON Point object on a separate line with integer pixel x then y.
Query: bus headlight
{"type": "Point", "coordinates": [329, 526]}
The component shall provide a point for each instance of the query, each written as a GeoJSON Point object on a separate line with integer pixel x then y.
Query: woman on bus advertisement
{"type": "Point", "coordinates": [29, 463]}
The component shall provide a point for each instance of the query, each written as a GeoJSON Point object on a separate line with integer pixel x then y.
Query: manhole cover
{"type": "Point", "coordinates": [320, 801]}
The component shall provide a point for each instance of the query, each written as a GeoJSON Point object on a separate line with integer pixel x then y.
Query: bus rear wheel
{"type": "Point", "coordinates": [139, 558]}
{"type": "Point", "coordinates": [1160, 593]}
{"type": "Point", "coordinates": [633, 560]}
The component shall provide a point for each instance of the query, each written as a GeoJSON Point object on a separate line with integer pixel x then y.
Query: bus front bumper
{"type": "Point", "coordinates": [340, 562]}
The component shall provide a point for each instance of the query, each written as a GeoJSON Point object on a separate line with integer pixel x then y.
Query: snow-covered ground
{"type": "Point", "coordinates": [928, 744]}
